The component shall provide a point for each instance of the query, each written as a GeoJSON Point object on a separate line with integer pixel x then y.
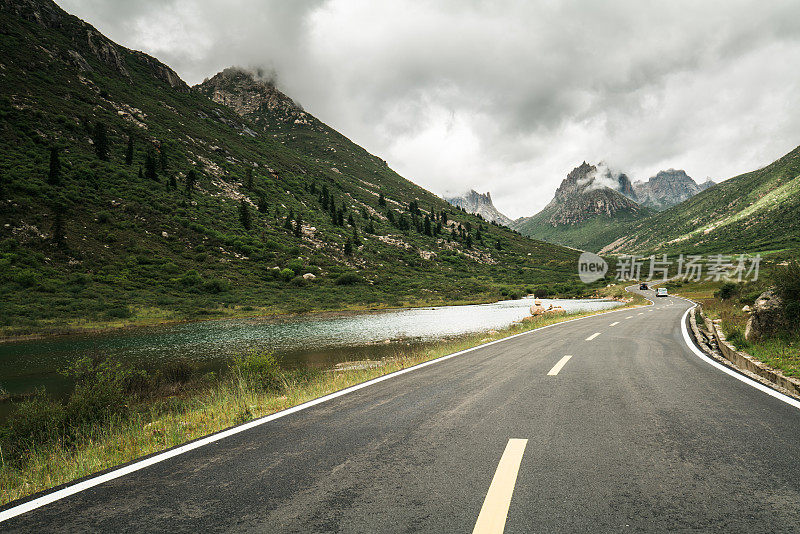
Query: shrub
{"type": "Point", "coordinates": [35, 421]}
{"type": "Point", "coordinates": [787, 285]}
{"type": "Point", "coordinates": [541, 293]}
{"type": "Point", "coordinates": [349, 279]}
{"type": "Point", "coordinates": [122, 312]}
{"type": "Point", "coordinates": [299, 281]}
{"type": "Point", "coordinates": [216, 285]}
{"type": "Point", "coordinates": [737, 339]}
{"type": "Point", "coordinates": [260, 369]}
{"type": "Point", "coordinates": [26, 278]}
{"type": "Point", "coordinates": [287, 274]}
{"type": "Point", "coordinates": [296, 265]}
{"type": "Point", "coordinates": [726, 291]}
{"type": "Point", "coordinates": [177, 372]}
{"type": "Point", "coordinates": [102, 389]}
{"type": "Point", "coordinates": [191, 278]}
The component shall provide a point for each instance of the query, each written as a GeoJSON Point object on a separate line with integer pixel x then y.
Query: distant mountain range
{"type": "Point", "coordinates": [479, 204]}
{"type": "Point", "coordinates": [599, 210]}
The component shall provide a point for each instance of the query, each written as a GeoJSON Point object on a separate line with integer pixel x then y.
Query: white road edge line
{"type": "Point", "coordinates": [593, 336]}
{"type": "Point", "coordinates": [557, 367]}
{"type": "Point", "coordinates": [166, 455]}
{"type": "Point", "coordinates": [615, 323]}
{"type": "Point", "coordinates": [749, 381]}
{"type": "Point", "coordinates": [494, 512]}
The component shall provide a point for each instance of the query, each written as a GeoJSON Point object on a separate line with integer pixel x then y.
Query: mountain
{"type": "Point", "coordinates": [754, 212]}
{"type": "Point", "coordinates": [666, 189]}
{"type": "Point", "coordinates": [128, 197]}
{"type": "Point", "coordinates": [478, 204]}
{"type": "Point", "coordinates": [586, 210]}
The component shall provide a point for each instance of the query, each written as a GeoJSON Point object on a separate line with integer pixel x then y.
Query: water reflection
{"type": "Point", "coordinates": [317, 341]}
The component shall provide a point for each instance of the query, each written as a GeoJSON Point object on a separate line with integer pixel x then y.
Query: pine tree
{"type": "Point", "coordinates": [263, 207]}
{"type": "Point", "coordinates": [173, 183]}
{"type": "Point", "coordinates": [298, 227]}
{"type": "Point", "coordinates": [340, 218]}
{"type": "Point", "coordinates": [244, 214]}
{"type": "Point", "coordinates": [140, 172]}
{"type": "Point", "coordinates": [100, 139]}
{"type": "Point", "coordinates": [129, 151]}
{"type": "Point", "coordinates": [150, 171]}
{"type": "Point", "coordinates": [348, 248]}
{"type": "Point", "coordinates": [248, 178]}
{"type": "Point", "coordinates": [350, 220]}
{"type": "Point", "coordinates": [54, 176]}
{"type": "Point", "coordinates": [468, 241]}
{"type": "Point", "coordinates": [381, 200]}
{"type": "Point", "coordinates": [356, 239]}
{"type": "Point", "coordinates": [191, 180]}
{"type": "Point", "coordinates": [428, 226]}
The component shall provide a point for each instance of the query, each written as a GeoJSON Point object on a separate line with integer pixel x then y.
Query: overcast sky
{"type": "Point", "coordinates": [505, 95]}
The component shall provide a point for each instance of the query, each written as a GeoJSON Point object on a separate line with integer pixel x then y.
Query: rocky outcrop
{"type": "Point", "coordinates": [162, 72]}
{"type": "Point", "coordinates": [666, 189]}
{"type": "Point", "coordinates": [253, 96]}
{"type": "Point", "coordinates": [85, 42]}
{"type": "Point", "coordinates": [767, 317]}
{"type": "Point", "coordinates": [478, 204]}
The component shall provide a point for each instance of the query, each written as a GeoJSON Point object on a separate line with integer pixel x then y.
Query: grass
{"type": "Point", "coordinates": [781, 352]}
{"type": "Point", "coordinates": [175, 419]}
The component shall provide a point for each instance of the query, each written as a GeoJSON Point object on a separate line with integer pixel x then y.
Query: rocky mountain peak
{"type": "Point", "coordinates": [479, 204]}
{"type": "Point", "coordinates": [249, 94]}
{"type": "Point", "coordinates": [589, 191]}
{"type": "Point", "coordinates": [666, 189]}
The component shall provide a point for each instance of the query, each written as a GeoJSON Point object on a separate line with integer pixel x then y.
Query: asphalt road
{"type": "Point", "coordinates": [634, 432]}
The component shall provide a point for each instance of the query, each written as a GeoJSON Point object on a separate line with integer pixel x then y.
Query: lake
{"type": "Point", "coordinates": [318, 341]}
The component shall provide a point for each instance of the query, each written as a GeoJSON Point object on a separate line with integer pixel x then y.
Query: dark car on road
{"type": "Point", "coordinates": [643, 286]}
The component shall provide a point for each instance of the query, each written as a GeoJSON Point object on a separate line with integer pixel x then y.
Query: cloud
{"type": "Point", "coordinates": [505, 95]}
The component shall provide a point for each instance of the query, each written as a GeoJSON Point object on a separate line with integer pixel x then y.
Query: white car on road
{"type": "Point", "coordinates": [662, 292]}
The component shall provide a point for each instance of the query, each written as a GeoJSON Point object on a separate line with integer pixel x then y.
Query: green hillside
{"type": "Point", "coordinates": [591, 234]}
{"type": "Point", "coordinates": [755, 211]}
{"type": "Point", "coordinates": [126, 197]}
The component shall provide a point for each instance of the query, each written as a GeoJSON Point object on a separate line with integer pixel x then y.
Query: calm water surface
{"type": "Point", "coordinates": [299, 341]}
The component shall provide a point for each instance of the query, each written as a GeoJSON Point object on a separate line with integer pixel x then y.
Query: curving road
{"type": "Point", "coordinates": [632, 432]}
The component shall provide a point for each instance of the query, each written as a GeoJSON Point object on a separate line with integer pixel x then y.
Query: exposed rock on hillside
{"type": "Point", "coordinates": [667, 188]}
{"type": "Point", "coordinates": [250, 95]}
{"type": "Point", "coordinates": [479, 204]}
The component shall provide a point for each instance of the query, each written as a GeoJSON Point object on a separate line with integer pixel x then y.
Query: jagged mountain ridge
{"type": "Point", "coordinates": [585, 209]}
{"type": "Point", "coordinates": [479, 204]}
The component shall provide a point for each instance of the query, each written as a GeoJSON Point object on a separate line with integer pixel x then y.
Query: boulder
{"type": "Point", "coordinates": [309, 276]}
{"type": "Point", "coordinates": [766, 316]}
